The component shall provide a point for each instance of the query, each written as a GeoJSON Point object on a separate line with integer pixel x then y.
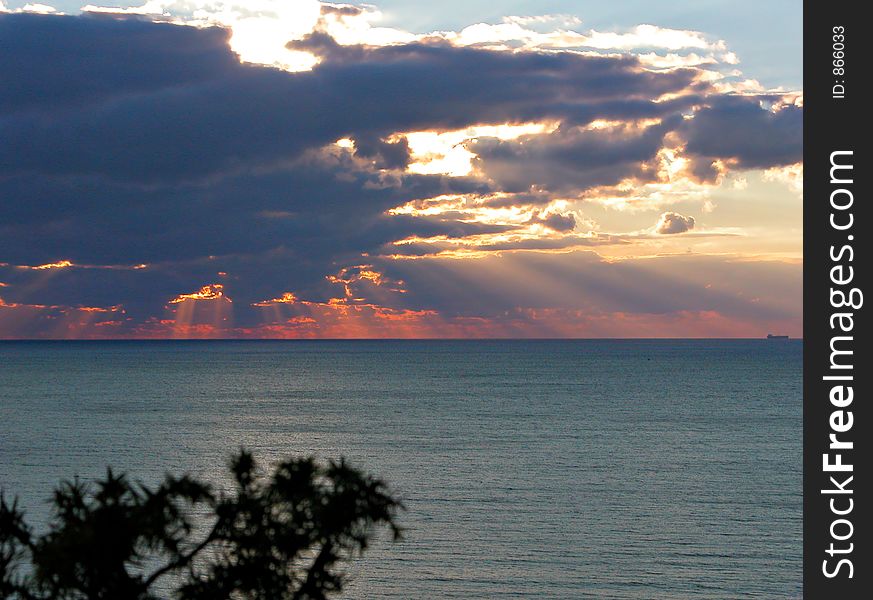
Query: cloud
{"type": "Point", "coordinates": [477, 246]}
{"type": "Point", "coordinates": [656, 45]}
{"type": "Point", "coordinates": [383, 154]}
{"type": "Point", "coordinates": [30, 7]}
{"type": "Point", "coordinates": [136, 118]}
{"type": "Point", "coordinates": [214, 291]}
{"type": "Point", "coordinates": [149, 160]}
{"type": "Point", "coordinates": [571, 160]}
{"type": "Point", "coordinates": [790, 175]}
{"type": "Point", "coordinates": [522, 294]}
{"type": "Point", "coordinates": [91, 62]}
{"type": "Point", "coordinates": [555, 221]}
{"type": "Point", "coordinates": [740, 128]}
{"type": "Point", "coordinates": [651, 36]}
{"type": "Point", "coordinates": [671, 222]}
{"type": "Point", "coordinates": [20, 320]}
{"type": "Point", "coordinates": [258, 29]}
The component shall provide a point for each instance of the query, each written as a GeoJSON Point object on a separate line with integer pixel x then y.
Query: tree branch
{"type": "Point", "coordinates": [183, 560]}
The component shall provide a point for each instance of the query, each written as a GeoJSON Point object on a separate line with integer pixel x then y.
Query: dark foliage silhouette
{"type": "Point", "coordinates": [279, 537]}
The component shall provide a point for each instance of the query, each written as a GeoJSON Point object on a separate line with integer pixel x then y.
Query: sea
{"type": "Point", "coordinates": [573, 469]}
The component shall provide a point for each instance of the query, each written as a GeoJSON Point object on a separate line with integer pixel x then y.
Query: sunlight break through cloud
{"type": "Point", "coordinates": [335, 177]}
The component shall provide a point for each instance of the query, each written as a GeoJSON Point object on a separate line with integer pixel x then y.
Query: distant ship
{"type": "Point", "coordinates": [770, 336]}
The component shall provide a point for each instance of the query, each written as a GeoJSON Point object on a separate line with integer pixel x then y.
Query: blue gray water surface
{"type": "Point", "coordinates": [530, 469]}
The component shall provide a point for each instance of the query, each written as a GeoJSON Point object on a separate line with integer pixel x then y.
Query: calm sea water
{"type": "Point", "coordinates": [531, 469]}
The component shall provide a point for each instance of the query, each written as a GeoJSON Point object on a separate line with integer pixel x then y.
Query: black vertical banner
{"type": "Point", "coordinates": [838, 563]}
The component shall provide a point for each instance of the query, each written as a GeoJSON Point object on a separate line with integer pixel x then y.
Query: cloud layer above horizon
{"type": "Point", "coordinates": [168, 172]}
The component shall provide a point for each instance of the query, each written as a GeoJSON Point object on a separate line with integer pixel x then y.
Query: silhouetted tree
{"type": "Point", "coordinates": [278, 537]}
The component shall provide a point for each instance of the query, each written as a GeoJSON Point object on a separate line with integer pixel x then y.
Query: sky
{"type": "Point", "coordinates": [268, 169]}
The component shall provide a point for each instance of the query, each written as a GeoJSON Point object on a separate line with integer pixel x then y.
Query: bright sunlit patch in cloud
{"type": "Point", "coordinates": [511, 34]}
{"type": "Point", "coordinates": [433, 206]}
{"type": "Point", "coordinates": [355, 24]}
{"type": "Point", "coordinates": [634, 197]}
{"type": "Point", "coordinates": [618, 126]}
{"type": "Point", "coordinates": [432, 155]}
{"type": "Point", "coordinates": [671, 164]}
{"type": "Point", "coordinates": [33, 8]}
{"type": "Point", "coordinates": [260, 29]}
{"type": "Point", "coordinates": [673, 60]}
{"type": "Point", "coordinates": [651, 36]}
{"type": "Point", "coordinates": [528, 32]}
{"type": "Point", "coordinates": [42, 9]}
{"type": "Point", "coordinates": [495, 209]}
{"type": "Point", "coordinates": [676, 181]}
{"type": "Point", "coordinates": [435, 152]}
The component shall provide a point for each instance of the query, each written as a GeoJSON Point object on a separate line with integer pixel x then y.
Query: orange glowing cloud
{"type": "Point", "coordinates": [289, 317]}
{"type": "Point", "coordinates": [100, 309]}
{"type": "Point", "coordinates": [352, 277]}
{"type": "Point", "coordinates": [66, 264]}
{"type": "Point", "coordinates": [342, 318]}
{"type": "Point", "coordinates": [213, 291]}
{"type": "Point", "coordinates": [63, 308]}
{"type": "Point", "coordinates": [286, 298]}
{"type": "Point", "coordinates": [160, 329]}
{"type": "Point", "coordinates": [339, 320]}
{"type": "Point", "coordinates": [351, 316]}
{"type": "Point", "coordinates": [56, 321]}
{"type": "Point", "coordinates": [200, 314]}
{"type": "Point", "coordinates": [61, 264]}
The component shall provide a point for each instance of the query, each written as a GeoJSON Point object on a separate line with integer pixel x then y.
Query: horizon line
{"type": "Point", "coordinates": [388, 339]}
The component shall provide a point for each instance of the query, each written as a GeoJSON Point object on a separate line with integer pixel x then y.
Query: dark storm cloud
{"type": "Point", "coordinates": [61, 63]}
{"type": "Point", "coordinates": [385, 155]}
{"type": "Point", "coordinates": [738, 127]}
{"type": "Point", "coordinates": [124, 141]}
{"type": "Point", "coordinates": [703, 169]}
{"type": "Point", "coordinates": [447, 224]}
{"type": "Point", "coordinates": [158, 129]}
{"type": "Point", "coordinates": [129, 141]}
{"type": "Point", "coordinates": [305, 207]}
{"type": "Point", "coordinates": [571, 160]}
